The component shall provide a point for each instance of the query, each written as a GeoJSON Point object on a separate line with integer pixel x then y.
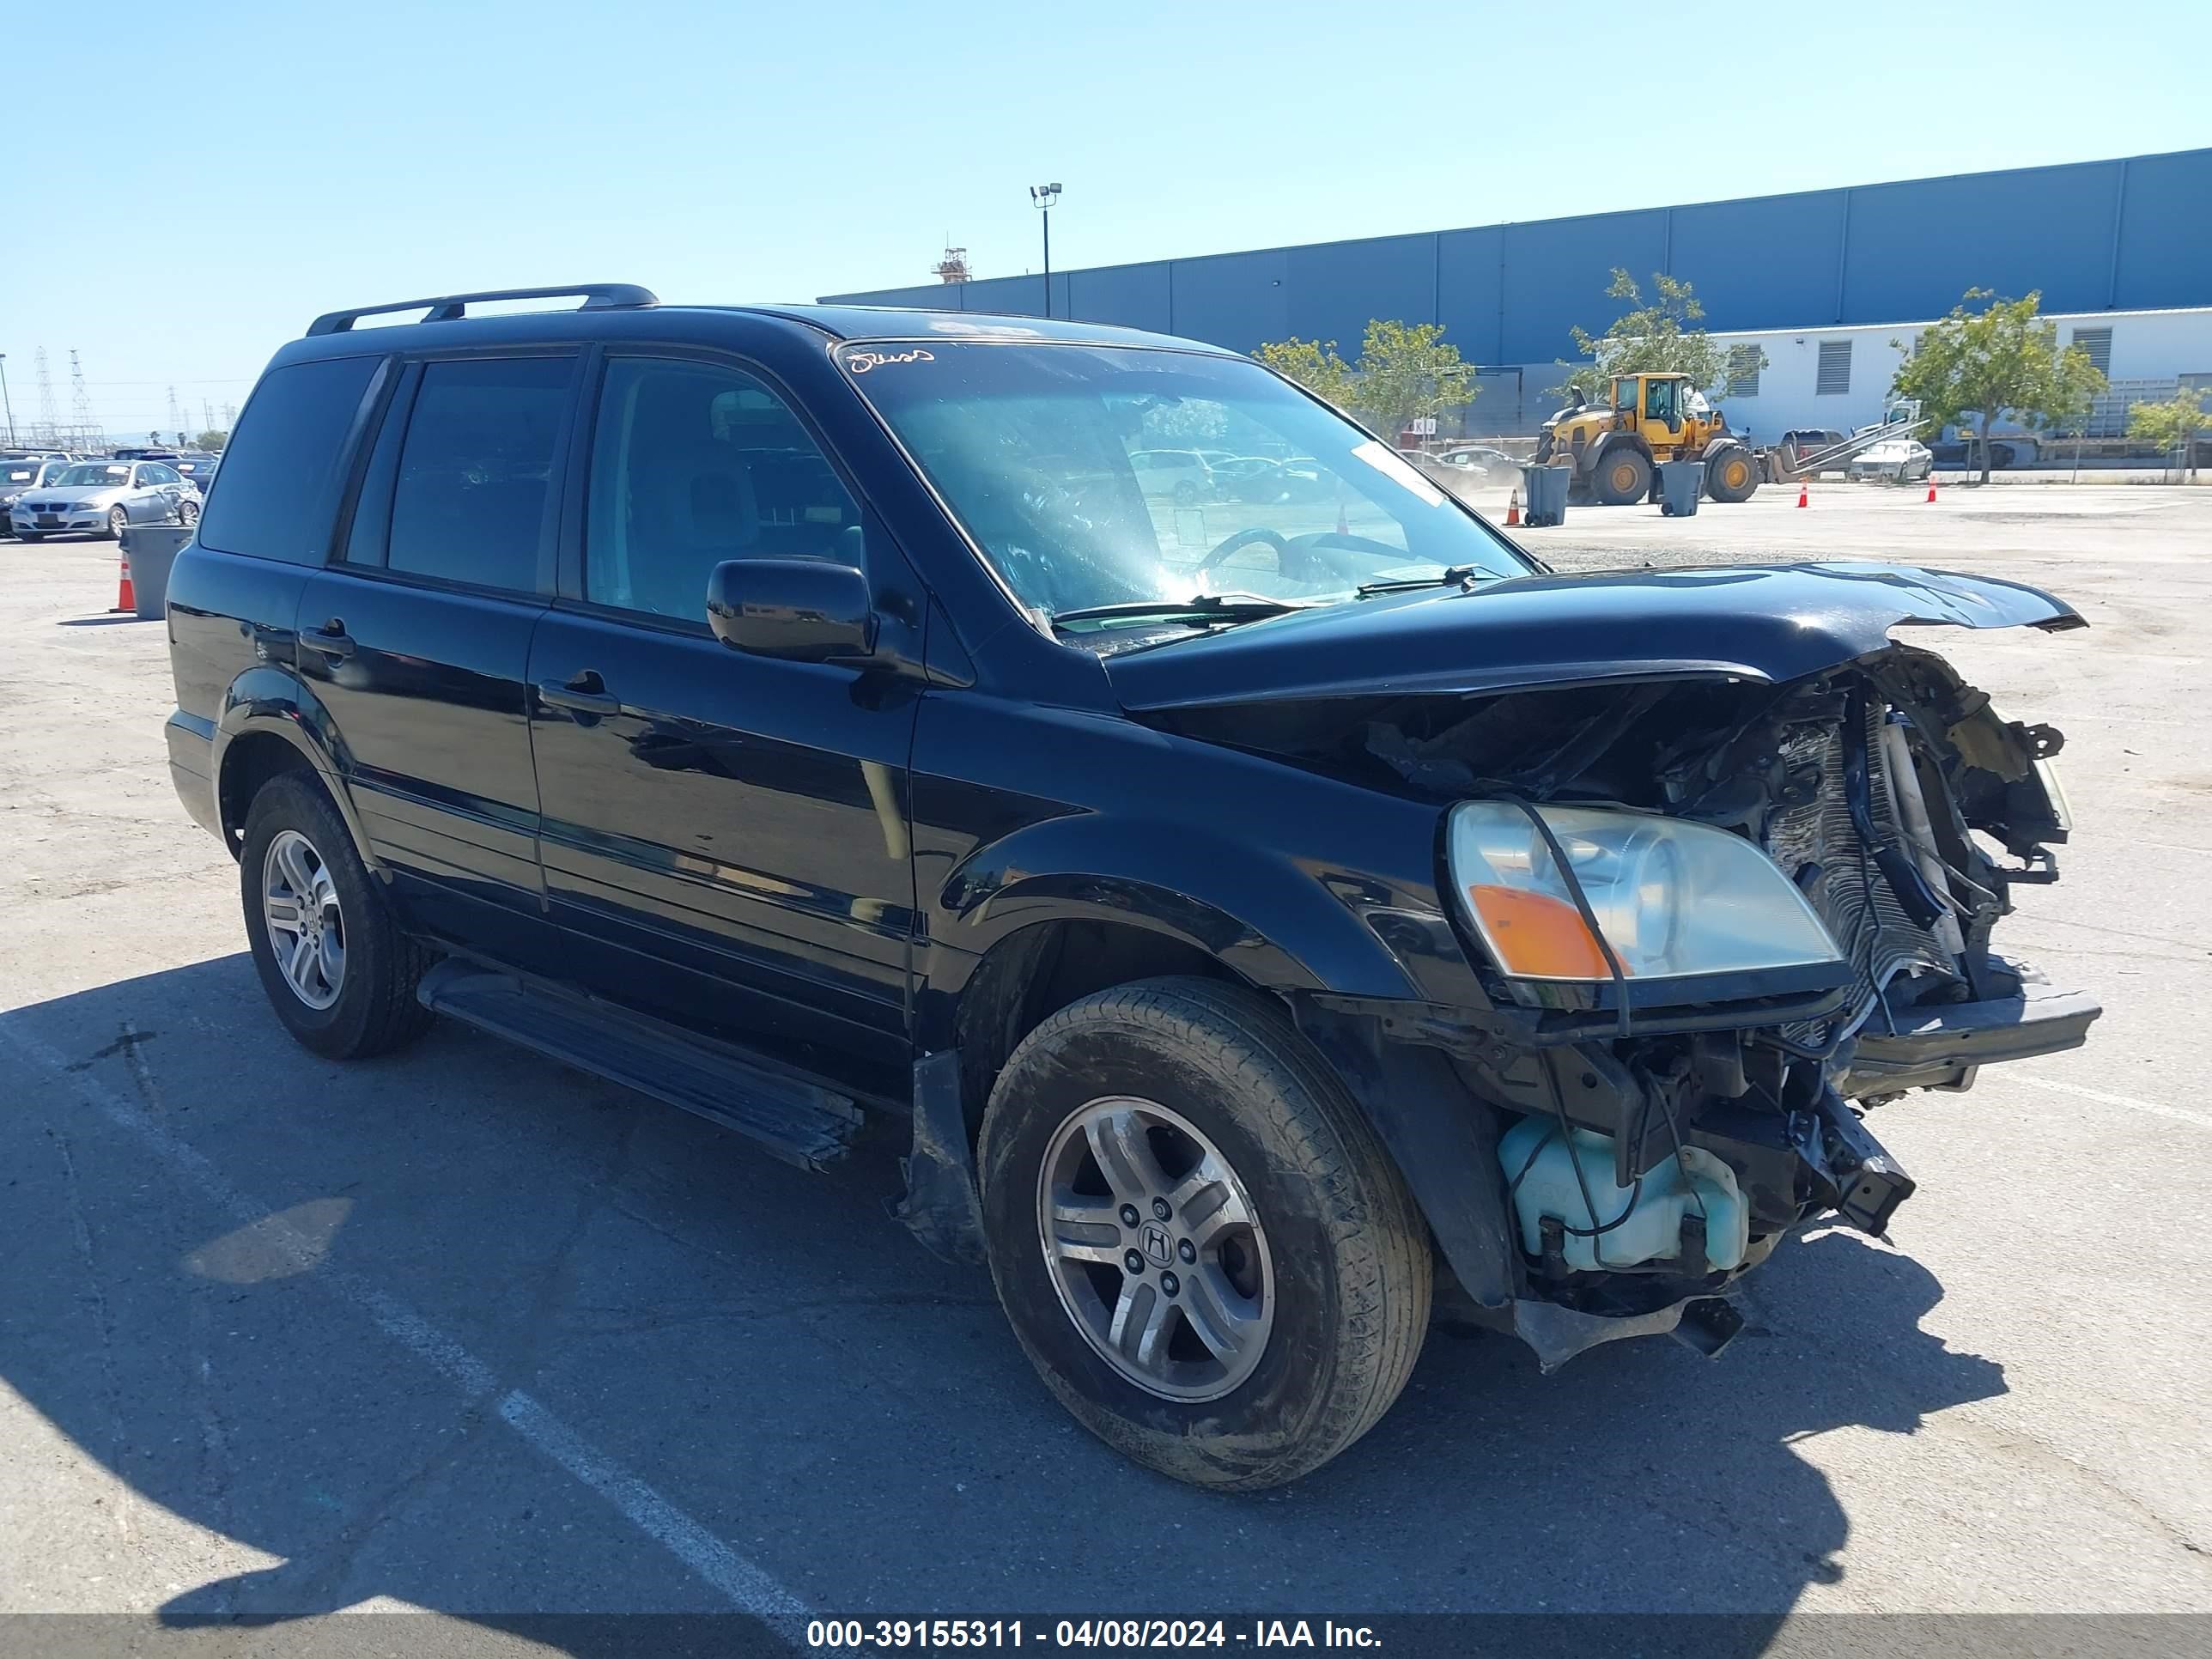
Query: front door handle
{"type": "Point", "coordinates": [586, 693]}
{"type": "Point", "coordinates": [330, 640]}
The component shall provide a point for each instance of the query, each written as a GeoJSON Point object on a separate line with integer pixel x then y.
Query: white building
{"type": "Point", "coordinates": [1839, 379]}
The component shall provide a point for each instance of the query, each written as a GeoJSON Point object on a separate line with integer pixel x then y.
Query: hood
{"type": "Point", "coordinates": [1757, 622]}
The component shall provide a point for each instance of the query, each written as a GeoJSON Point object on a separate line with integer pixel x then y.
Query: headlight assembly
{"type": "Point", "coordinates": [1672, 899]}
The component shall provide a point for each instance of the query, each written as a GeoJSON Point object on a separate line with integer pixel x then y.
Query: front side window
{"type": "Point", "coordinates": [476, 471]}
{"type": "Point", "coordinates": [693, 464]}
{"type": "Point", "coordinates": [1659, 400]}
{"type": "Point", "coordinates": [1077, 469]}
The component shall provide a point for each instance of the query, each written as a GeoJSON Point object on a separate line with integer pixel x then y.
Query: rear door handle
{"type": "Point", "coordinates": [330, 640]}
{"type": "Point", "coordinates": [586, 693]}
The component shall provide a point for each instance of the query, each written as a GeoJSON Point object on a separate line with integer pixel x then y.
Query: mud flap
{"type": "Point", "coordinates": [941, 1207]}
{"type": "Point", "coordinates": [1443, 1139]}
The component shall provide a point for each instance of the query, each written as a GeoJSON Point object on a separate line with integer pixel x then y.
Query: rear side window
{"type": "Point", "coordinates": [281, 469]}
{"type": "Point", "coordinates": [474, 491]}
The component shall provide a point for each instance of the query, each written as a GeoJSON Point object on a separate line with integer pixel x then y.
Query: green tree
{"type": "Point", "coordinates": [1407, 371]}
{"type": "Point", "coordinates": [2173, 424]}
{"type": "Point", "coordinates": [1314, 365]}
{"type": "Point", "coordinates": [1661, 337]}
{"type": "Point", "coordinates": [211, 440]}
{"type": "Point", "coordinates": [2003, 359]}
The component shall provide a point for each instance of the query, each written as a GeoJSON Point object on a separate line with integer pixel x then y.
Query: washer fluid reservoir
{"type": "Point", "coordinates": [1656, 1205]}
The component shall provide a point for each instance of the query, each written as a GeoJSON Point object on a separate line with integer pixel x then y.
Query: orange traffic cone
{"type": "Point", "coordinates": [126, 596]}
{"type": "Point", "coordinates": [1803, 498]}
{"type": "Point", "coordinates": [1513, 508]}
{"type": "Point", "coordinates": [1931, 488]}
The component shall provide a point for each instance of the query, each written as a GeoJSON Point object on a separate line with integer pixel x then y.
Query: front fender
{"type": "Point", "coordinates": [269, 701]}
{"type": "Point", "coordinates": [1278, 923]}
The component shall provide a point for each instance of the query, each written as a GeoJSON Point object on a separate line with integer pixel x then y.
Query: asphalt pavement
{"type": "Point", "coordinates": [461, 1331]}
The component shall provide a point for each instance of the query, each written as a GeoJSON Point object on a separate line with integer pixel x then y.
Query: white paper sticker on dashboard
{"type": "Point", "coordinates": [1398, 470]}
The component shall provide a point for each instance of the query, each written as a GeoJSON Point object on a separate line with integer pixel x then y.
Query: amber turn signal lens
{"type": "Point", "coordinates": [1538, 935]}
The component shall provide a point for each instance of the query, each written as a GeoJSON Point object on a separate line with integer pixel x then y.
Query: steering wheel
{"type": "Point", "coordinates": [1352, 543]}
{"type": "Point", "coordinates": [1288, 559]}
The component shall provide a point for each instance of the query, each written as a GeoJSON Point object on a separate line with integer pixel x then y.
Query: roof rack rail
{"type": "Point", "coordinates": [448, 308]}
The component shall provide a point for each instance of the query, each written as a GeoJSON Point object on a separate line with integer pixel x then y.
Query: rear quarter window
{"type": "Point", "coordinates": [282, 470]}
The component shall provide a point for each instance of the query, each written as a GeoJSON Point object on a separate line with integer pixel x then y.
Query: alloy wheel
{"type": "Point", "coordinates": [306, 928]}
{"type": "Point", "coordinates": [1155, 1249]}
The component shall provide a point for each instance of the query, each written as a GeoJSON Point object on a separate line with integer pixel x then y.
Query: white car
{"type": "Point", "coordinates": [1896, 460]}
{"type": "Point", "coordinates": [18, 475]}
{"type": "Point", "coordinates": [1182, 473]}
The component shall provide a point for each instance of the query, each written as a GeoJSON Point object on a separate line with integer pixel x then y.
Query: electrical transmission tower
{"type": "Point", "coordinates": [48, 422]}
{"type": "Point", "coordinates": [81, 414]}
{"type": "Point", "coordinates": [176, 416]}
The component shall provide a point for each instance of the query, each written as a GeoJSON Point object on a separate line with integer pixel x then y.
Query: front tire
{"type": "Point", "coordinates": [336, 966]}
{"type": "Point", "coordinates": [1731, 474]}
{"type": "Point", "coordinates": [118, 522]}
{"type": "Point", "coordinates": [30, 536]}
{"type": "Point", "coordinates": [1621, 477]}
{"type": "Point", "coordinates": [1271, 1315]}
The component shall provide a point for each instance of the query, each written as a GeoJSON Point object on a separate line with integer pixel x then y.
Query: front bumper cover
{"type": "Point", "coordinates": [1941, 1047]}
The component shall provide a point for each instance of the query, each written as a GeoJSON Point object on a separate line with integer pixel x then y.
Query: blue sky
{"type": "Point", "coordinates": [252, 165]}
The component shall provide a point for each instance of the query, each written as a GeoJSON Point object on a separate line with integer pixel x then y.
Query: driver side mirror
{"type": "Point", "coordinates": [794, 610]}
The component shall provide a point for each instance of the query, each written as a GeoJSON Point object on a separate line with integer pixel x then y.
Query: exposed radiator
{"type": "Point", "coordinates": [1846, 889]}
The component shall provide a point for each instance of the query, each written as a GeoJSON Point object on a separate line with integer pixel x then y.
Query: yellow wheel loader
{"type": "Point", "coordinates": [1615, 448]}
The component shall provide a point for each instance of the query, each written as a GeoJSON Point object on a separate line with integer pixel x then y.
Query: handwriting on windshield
{"type": "Point", "coordinates": [861, 361]}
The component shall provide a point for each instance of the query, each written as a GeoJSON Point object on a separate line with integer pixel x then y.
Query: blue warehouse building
{"type": "Point", "coordinates": [2131, 235]}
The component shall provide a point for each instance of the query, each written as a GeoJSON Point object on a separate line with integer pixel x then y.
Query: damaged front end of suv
{"type": "Point", "coordinates": [1706, 904]}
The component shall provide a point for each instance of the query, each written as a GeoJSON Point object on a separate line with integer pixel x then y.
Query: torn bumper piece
{"type": "Point", "coordinates": [1557, 1334]}
{"type": "Point", "coordinates": [1940, 1047]}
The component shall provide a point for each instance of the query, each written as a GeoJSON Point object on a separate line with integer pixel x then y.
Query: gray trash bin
{"type": "Point", "coordinates": [152, 549]}
{"type": "Point", "coordinates": [1545, 487]}
{"type": "Point", "coordinates": [1681, 483]}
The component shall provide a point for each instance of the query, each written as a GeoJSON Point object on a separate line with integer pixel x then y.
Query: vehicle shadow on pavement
{"type": "Point", "coordinates": [769, 1354]}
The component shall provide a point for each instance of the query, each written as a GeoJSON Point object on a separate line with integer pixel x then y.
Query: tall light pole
{"type": "Point", "coordinates": [5, 400]}
{"type": "Point", "coordinates": [1042, 196]}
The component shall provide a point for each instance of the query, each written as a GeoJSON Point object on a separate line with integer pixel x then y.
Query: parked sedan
{"type": "Point", "coordinates": [17, 476]}
{"type": "Point", "coordinates": [1896, 461]}
{"type": "Point", "coordinates": [1490, 466]}
{"type": "Point", "coordinates": [100, 498]}
{"type": "Point", "coordinates": [200, 469]}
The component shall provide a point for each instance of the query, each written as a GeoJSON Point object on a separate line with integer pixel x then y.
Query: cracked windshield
{"type": "Point", "coordinates": [1114, 485]}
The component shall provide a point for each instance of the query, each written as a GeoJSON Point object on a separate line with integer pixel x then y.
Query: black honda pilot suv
{"type": "Point", "coordinates": [1263, 916]}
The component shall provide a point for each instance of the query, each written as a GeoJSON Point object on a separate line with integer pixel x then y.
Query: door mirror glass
{"type": "Point", "coordinates": [797, 609]}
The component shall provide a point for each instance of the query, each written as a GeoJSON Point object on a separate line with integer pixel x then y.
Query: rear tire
{"type": "Point", "coordinates": [1327, 1290]}
{"type": "Point", "coordinates": [1621, 477]}
{"type": "Point", "coordinates": [188, 514]}
{"type": "Point", "coordinates": [346, 1004]}
{"type": "Point", "coordinates": [1731, 474]}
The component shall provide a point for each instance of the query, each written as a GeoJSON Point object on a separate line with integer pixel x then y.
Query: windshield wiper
{"type": "Point", "coordinates": [1210, 607]}
{"type": "Point", "coordinates": [1457, 575]}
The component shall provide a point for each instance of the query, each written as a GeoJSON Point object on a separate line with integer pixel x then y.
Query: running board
{"type": "Point", "coordinates": [796, 1119]}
